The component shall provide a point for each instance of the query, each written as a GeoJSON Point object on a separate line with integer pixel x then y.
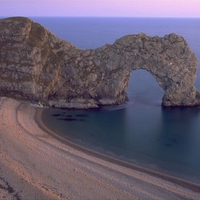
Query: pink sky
{"type": "Point", "coordinates": [103, 8]}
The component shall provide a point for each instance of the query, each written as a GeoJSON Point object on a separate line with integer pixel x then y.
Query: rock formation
{"type": "Point", "coordinates": [37, 66]}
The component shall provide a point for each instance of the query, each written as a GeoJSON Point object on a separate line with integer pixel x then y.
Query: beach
{"type": "Point", "coordinates": [36, 165]}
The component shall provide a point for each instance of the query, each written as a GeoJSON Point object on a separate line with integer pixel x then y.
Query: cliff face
{"type": "Point", "coordinates": [37, 66]}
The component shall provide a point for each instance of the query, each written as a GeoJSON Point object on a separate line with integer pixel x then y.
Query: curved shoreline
{"type": "Point", "coordinates": [44, 167]}
{"type": "Point", "coordinates": [184, 183]}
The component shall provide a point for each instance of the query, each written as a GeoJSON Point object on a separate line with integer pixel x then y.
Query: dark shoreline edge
{"type": "Point", "coordinates": [181, 182]}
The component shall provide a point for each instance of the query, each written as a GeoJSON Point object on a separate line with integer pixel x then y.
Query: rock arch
{"type": "Point", "coordinates": [168, 59]}
{"type": "Point", "coordinates": [37, 66]}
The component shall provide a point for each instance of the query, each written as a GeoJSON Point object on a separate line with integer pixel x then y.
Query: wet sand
{"type": "Point", "coordinates": [36, 165]}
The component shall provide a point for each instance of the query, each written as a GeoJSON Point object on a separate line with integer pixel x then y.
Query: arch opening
{"type": "Point", "coordinates": [143, 88]}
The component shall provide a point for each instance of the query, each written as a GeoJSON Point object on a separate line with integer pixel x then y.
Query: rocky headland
{"type": "Point", "coordinates": [37, 66]}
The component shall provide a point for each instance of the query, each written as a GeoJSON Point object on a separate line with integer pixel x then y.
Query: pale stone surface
{"type": "Point", "coordinates": [36, 65]}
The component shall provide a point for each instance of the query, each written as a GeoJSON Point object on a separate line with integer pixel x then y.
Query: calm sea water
{"type": "Point", "coordinates": [140, 131]}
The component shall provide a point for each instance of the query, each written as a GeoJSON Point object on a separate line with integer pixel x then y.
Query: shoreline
{"type": "Point", "coordinates": [182, 182]}
{"type": "Point", "coordinates": [59, 169]}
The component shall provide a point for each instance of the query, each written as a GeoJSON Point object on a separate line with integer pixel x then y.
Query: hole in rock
{"type": "Point", "coordinates": [143, 88]}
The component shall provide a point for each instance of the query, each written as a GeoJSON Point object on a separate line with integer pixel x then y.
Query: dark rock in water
{"type": "Point", "coordinates": [37, 66]}
{"type": "Point", "coordinates": [68, 119]}
{"type": "Point", "coordinates": [56, 115]}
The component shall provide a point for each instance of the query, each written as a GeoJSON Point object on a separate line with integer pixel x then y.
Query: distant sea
{"type": "Point", "coordinates": [140, 131]}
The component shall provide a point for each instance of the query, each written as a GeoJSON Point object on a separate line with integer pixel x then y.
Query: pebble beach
{"type": "Point", "coordinates": [35, 165]}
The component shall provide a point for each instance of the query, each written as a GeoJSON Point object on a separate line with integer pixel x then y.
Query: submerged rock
{"type": "Point", "coordinates": [37, 66]}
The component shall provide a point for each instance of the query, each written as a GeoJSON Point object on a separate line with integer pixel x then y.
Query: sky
{"type": "Point", "coordinates": [101, 8]}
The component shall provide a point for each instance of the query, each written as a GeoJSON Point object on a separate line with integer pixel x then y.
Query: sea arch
{"type": "Point", "coordinates": [168, 59]}
{"type": "Point", "coordinates": [38, 66]}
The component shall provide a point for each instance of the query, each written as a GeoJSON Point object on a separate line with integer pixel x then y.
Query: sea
{"type": "Point", "coordinates": [140, 131]}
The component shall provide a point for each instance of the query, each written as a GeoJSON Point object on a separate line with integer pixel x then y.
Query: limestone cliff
{"type": "Point", "coordinates": [36, 65]}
